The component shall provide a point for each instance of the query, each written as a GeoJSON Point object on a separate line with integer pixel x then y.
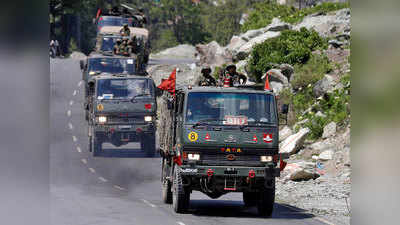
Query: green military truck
{"type": "Point", "coordinates": [220, 140]}
{"type": "Point", "coordinates": [122, 110]}
{"type": "Point", "coordinates": [99, 64]}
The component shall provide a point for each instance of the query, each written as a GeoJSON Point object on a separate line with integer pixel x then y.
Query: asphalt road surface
{"type": "Point", "coordinates": [110, 191]}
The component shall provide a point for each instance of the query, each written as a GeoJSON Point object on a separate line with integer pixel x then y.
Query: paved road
{"type": "Point", "coordinates": [97, 191]}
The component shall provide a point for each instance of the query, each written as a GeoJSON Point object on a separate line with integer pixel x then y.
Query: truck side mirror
{"type": "Point", "coordinates": [82, 64]}
{"type": "Point", "coordinates": [285, 109]}
{"type": "Point", "coordinates": [159, 92]}
{"type": "Point", "coordinates": [170, 105]}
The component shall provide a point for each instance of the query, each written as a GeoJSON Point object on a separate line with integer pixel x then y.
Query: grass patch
{"type": "Point", "coordinates": [292, 47]}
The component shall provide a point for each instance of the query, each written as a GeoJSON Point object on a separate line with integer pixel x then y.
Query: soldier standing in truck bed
{"type": "Point", "coordinates": [125, 31]}
{"type": "Point", "coordinates": [231, 77]}
{"type": "Point", "coordinates": [206, 79]}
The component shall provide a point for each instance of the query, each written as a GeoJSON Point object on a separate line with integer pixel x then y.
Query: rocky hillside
{"type": "Point", "coordinates": [309, 66]}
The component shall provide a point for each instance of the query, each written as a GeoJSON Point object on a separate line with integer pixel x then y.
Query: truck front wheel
{"type": "Point", "coordinates": [250, 198]}
{"type": "Point", "coordinates": [181, 196]}
{"type": "Point", "coordinates": [165, 185]}
{"type": "Point", "coordinates": [265, 204]}
{"type": "Point", "coordinates": [148, 144]}
{"type": "Point", "coordinates": [96, 146]}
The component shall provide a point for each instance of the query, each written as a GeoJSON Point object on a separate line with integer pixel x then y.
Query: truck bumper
{"type": "Point", "coordinates": [223, 171]}
{"type": "Point", "coordinates": [123, 132]}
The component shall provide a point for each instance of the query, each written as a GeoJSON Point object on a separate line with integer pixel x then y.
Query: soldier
{"type": "Point", "coordinates": [232, 77]}
{"type": "Point", "coordinates": [133, 45]}
{"type": "Point", "coordinates": [117, 46]}
{"type": "Point", "coordinates": [206, 79]}
{"type": "Point", "coordinates": [125, 31]}
{"type": "Point", "coordinates": [124, 48]}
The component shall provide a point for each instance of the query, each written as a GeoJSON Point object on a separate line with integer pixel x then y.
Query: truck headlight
{"type": "Point", "coordinates": [266, 158]}
{"type": "Point", "coordinates": [194, 157]}
{"type": "Point", "coordinates": [102, 119]}
{"type": "Point", "coordinates": [148, 118]}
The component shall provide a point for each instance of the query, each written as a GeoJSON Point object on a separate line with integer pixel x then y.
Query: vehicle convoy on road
{"type": "Point", "coordinates": [122, 110]}
{"type": "Point", "coordinates": [220, 140]}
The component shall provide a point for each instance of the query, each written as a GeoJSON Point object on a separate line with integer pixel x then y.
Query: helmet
{"type": "Point", "coordinates": [231, 66]}
{"type": "Point", "coordinates": [205, 69]}
{"type": "Point", "coordinates": [126, 25]}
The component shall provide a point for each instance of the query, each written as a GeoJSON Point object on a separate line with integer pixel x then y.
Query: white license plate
{"type": "Point", "coordinates": [124, 126]}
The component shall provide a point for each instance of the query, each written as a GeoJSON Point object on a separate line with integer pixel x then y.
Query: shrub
{"type": "Point", "coordinates": [311, 72]}
{"type": "Point", "coordinates": [292, 47]}
{"type": "Point", "coordinates": [263, 13]}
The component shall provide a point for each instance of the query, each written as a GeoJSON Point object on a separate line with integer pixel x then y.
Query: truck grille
{"type": "Point", "coordinates": [125, 120]}
{"type": "Point", "coordinates": [222, 158]}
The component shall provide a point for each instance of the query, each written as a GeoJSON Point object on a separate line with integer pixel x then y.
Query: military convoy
{"type": "Point", "coordinates": [220, 140]}
{"type": "Point", "coordinates": [119, 97]}
{"type": "Point", "coordinates": [214, 140]}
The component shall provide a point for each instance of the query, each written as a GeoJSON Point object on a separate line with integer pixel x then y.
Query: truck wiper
{"type": "Point", "coordinates": [206, 122]}
{"type": "Point", "coordinates": [133, 99]}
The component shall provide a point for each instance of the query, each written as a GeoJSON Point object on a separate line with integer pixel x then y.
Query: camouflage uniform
{"type": "Point", "coordinates": [206, 79]}
{"type": "Point", "coordinates": [125, 31]}
{"type": "Point", "coordinates": [231, 77]}
{"type": "Point", "coordinates": [117, 45]}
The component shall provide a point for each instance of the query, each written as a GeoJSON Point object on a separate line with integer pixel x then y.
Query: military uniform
{"type": "Point", "coordinates": [125, 31]}
{"type": "Point", "coordinates": [206, 79]}
{"type": "Point", "coordinates": [232, 78]}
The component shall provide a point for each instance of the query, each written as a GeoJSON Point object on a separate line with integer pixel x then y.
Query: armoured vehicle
{"type": "Point", "coordinates": [220, 140]}
{"type": "Point", "coordinates": [122, 110]}
{"type": "Point", "coordinates": [99, 64]}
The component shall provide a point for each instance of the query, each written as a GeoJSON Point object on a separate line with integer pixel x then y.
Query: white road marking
{"type": "Point", "coordinates": [148, 203]}
{"type": "Point", "coordinates": [74, 139]}
{"type": "Point", "coordinates": [71, 102]}
{"type": "Point", "coordinates": [84, 161]}
{"type": "Point", "coordinates": [119, 188]}
{"type": "Point", "coordinates": [324, 221]}
{"type": "Point", "coordinates": [69, 113]}
{"type": "Point", "coordinates": [103, 179]}
{"type": "Point", "coordinates": [180, 223]}
{"type": "Point", "coordinates": [80, 83]}
{"type": "Point", "coordinates": [79, 149]}
{"type": "Point", "coordinates": [92, 170]}
{"type": "Point", "coordinates": [75, 92]}
{"type": "Point", "coordinates": [71, 127]}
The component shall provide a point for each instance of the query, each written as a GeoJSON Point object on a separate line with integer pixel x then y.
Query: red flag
{"type": "Point", "coordinates": [267, 87]}
{"type": "Point", "coordinates": [169, 84]}
{"type": "Point", "coordinates": [98, 13]}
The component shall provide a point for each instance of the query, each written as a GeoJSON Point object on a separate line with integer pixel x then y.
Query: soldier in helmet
{"type": "Point", "coordinates": [116, 49]}
{"type": "Point", "coordinates": [125, 31]}
{"type": "Point", "coordinates": [206, 79]}
{"type": "Point", "coordinates": [124, 48]}
{"type": "Point", "coordinates": [232, 77]}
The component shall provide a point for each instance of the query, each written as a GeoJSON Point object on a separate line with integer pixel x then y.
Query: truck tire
{"type": "Point", "coordinates": [148, 144]}
{"type": "Point", "coordinates": [181, 196]}
{"type": "Point", "coordinates": [165, 185]}
{"type": "Point", "coordinates": [250, 198]}
{"type": "Point", "coordinates": [96, 147]}
{"type": "Point", "coordinates": [265, 204]}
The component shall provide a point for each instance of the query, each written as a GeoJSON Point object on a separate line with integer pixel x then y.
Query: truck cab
{"type": "Point", "coordinates": [221, 140]}
{"type": "Point", "coordinates": [122, 110]}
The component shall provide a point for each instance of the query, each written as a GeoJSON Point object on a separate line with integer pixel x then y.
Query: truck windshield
{"type": "Point", "coordinates": [230, 108]}
{"type": "Point", "coordinates": [108, 43]}
{"type": "Point", "coordinates": [111, 65]}
{"type": "Point", "coordinates": [115, 21]}
{"type": "Point", "coordinates": [124, 88]}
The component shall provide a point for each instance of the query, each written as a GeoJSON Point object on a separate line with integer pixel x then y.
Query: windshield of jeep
{"type": "Point", "coordinates": [116, 21]}
{"type": "Point", "coordinates": [124, 88]}
{"type": "Point", "coordinates": [107, 45]}
{"type": "Point", "coordinates": [230, 109]}
{"type": "Point", "coordinates": [111, 65]}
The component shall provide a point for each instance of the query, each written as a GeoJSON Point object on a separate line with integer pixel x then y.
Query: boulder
{"type": "Point", "coordinates": [321, 146]}
{"type": "Point", "coordinates": [320, 114]}
{"type": "Point", "coordinates": [301, 171]}
{"type": "Point", "coordinates": [294, 142]}
{"type": "Point", "coordinates": [252, 34]}
{"type": "Point", "coordinates": [213, 54]}
{"type": "Point", "coordinates": [329, 130]}
{"type": "Point", "coordinates": [287, 70]}
{"type": "Point", "coordinates": [326, 155]}
{"type": "Point", "coordinates": [246, 48]}
{"type": "Point", "coordinates": [284, 133]}
{"type": "Point", "coordinates": [235, 43]}
{"type": "Point", "coordinates": [324, 85]}
{"type": "Point", "coordinates": [278, 25]}
{"type": "Point", "coordinates": [276, 87]}
{"type": "Point", "coordinates": [276, 75]}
